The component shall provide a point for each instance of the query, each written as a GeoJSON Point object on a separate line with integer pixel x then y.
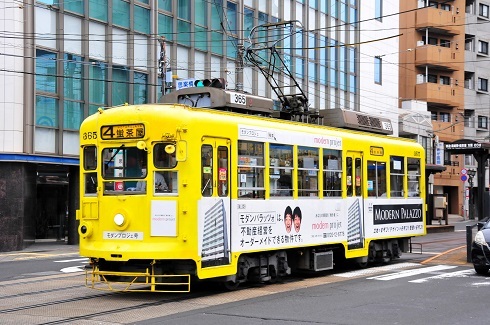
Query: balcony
{"type": "Point", "coordinates": [437, 57]}
{"type": "Point", "coordinates": [438, 21]}
{"type": "Point", "coordinates": [438, 95]}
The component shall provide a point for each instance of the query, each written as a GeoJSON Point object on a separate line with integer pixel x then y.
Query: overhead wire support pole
{"type": "Point", "coordinates": [162, 64]}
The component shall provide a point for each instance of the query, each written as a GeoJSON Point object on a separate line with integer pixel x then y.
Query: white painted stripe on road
{"type": "Point", "coordinates": [73, 260]}
{"type": "Point", "coordinates": [481, 284]}
{"type": "Point", "coordinates": [73, 269]}
{"type": "Point", "coordinates": [457, 274]}
{"type": "Point", "coordinates": [378, 269]}
{"type": "Point", "coordinates": [407, 273]}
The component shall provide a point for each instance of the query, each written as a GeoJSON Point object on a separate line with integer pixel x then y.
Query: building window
{"type": "Point", "coordinates": [97, 9]}
{"type": "Point", "coordinates": [445, 6]}
{"type": "Point", "coordinates": [184, 9]}
{"type": "Point", "coordinates": [76, 6]}
{"type": "Point", "coordinates": [200, 12]}
{"type": "Point", "coordinates": [482, 47]}
{"type": "Point", "coordinates": [444, 80]}
{"type": "Point", "coordinates": [45, 71]}
{"type": "Point", "coordinates": [200, 38]}
{"type": "Point", "coordinates": [378, 10]}
{"type": "Point", "coordinates": [444, 43]}
{"type": "Point", "coordinates": [377, 70]}
{"type": "Point", "coordinates": [97, 84]}
{"type": "Point", "coordinates": [444, 117]}
{"type": "Point", "coordinates": [482, 122]}
{"type": "Point", "coordinates": [483, 10]}
{"type": "Point", "coordinates": [120, 78]}
{"type": "Point", "coordinates": [433, 116]}
{"type": "Point", "coordinates": [73, 77]}
{"type": "Point", "coordinates": [469, 44]}
{"type": "Point", "coordinates": [140, 88]}
{"type": "Point", "coordinates": [141, 20]}
{"type": "Point", "coordinates": [184, 35]}
{"type": "Point", "coordinates": [482, 84]}
{"type": "Point", "coordinates": [120, 13]}
{"type": "Point", "coordinates": [432, 78]}
{"type": "Point", "coordinates": [165, 5]}
{"type": "Point", "coordinates": [231, 14]}
{"type": "Point", "coordinates": [165, 27]}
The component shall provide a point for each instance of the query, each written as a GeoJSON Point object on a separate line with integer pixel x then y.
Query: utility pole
{"type": "Point", "coordinates": [239, 67]}
{"type": "Point", "coordinates": [162, 63]}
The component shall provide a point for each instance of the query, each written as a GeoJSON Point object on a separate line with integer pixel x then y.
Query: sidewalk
{"type": "Point", "coordinates": [42, 248]}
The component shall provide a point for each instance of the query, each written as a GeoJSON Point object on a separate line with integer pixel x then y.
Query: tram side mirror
{"type": "Point", "coordinates": [141, 145]}
{"type": "Point", "coordinates": [170, 149]}
{"type": "Point", "coordinates": [181, 150]}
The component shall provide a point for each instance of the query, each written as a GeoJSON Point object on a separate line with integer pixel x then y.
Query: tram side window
{"type": "Point", "coordinates": [90, 164]}
{"type": "Point", "coordinates": [332, 173]}
{"type": "Point", "coordinates": [251, 169]}
{"type": "Point", "coordinates": [376, 180]}
{"type": "Point", "coordinates": [397, 172]}
{"type": "Point", "coordinates": [281, 166]}
{"type": "Point", "coordinates": [307, 171]}
{"type": "Point", "coordinates": [206, 170]}
{"type": "Point", "coordinates": [413, 166]}
{"type": "Point", "coordinates": [223, 171]}
{"type": "Point", "coordinates": [348, 176]}
{"type": "Point", "coordinates": [164, 157]}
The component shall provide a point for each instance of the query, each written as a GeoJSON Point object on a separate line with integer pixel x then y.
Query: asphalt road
{"type": "Point", "coordinates": [44, 284]}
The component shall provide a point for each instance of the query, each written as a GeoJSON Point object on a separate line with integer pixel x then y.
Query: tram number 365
{"type": "Point", "coordinates": [238, 99]}
{"type": "Point", "coordinates": [89, 135]}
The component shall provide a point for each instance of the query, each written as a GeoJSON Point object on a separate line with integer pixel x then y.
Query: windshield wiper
{"type": "Point", "coordinates": [114, 155]}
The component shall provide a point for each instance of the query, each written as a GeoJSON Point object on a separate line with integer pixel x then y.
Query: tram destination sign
{"type": "Point", "coordinates": [123, 131]}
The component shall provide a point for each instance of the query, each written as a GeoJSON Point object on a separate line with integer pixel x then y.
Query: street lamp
{"type": "Point", "coordinates": [471, 173]}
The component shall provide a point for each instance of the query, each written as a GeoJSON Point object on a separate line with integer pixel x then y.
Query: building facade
{"type": "Point", "coordinates": [62, 60]}
{"type": "Point", "coordinates": [432, 71]}
{"type": "Point", "coordinates": [476, 78]}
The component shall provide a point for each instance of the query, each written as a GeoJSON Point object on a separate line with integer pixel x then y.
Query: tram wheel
{"type": "Point", "coordinates": [362, 265]}
{"type": "Point", "coordinates": [230, 285]}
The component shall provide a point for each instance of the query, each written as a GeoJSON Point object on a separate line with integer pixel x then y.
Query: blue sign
{"type": "Point", "coordinates": [184, 83]}
{"type": "Point", "coordinates": [464, 178]}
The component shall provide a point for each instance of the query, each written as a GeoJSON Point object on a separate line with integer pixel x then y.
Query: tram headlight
{"type": "Point", "coordinates": [119, 219]}
{"type": "Point", "coordinates": [480, 239]}
{"type": "Point", "coordinates": [85, 230]}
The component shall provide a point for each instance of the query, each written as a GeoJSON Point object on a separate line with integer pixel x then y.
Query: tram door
{"type": "Point", "coordinates": [354, 183]}
{"type": "Point", "coordinates": [214, 207]}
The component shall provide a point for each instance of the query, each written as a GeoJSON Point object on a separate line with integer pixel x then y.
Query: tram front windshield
{"type": "Point", "coordinates": [124, 169]}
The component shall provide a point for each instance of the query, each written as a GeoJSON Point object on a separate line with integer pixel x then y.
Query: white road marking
{"type": "Point", "coordinates": [73, 260]}
{"type": "Point", "coordinates": [378, 269]}
{"type": "Point", "coordinates": [457, 274]}
{"type": "Point", "coordinates": [408, 273]}
{"type": "Point", "coordinates": [73, 269]}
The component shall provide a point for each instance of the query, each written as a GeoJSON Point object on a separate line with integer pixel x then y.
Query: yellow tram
{"type": "Point", "coordinates": [172, 193]}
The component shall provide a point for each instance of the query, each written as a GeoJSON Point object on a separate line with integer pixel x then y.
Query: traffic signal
{"type": "Point", "coordinates": [215, 83]}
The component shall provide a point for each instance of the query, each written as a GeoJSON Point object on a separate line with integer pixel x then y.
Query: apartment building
{"type": "Point", "coordinates": [432, 74]}
{"type": "Point", "coordinates": [476, 78]}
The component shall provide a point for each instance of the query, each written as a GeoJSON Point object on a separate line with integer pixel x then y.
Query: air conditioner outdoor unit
{"type": "Point", "coordinates": [420, 43]}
